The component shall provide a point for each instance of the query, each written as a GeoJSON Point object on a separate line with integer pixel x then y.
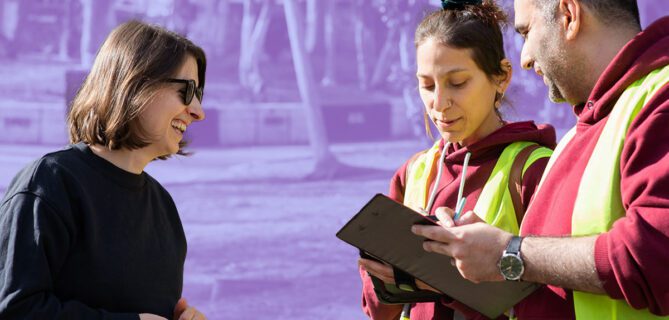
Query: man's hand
{"type": "Point", "coordinates": [385, 273]}
{"type": "Point", "coordinates": [182, 311]}
{"type": "Point", "coordinates": [446, 214]}
{"type": "Point", "coordinates": [476, 247]}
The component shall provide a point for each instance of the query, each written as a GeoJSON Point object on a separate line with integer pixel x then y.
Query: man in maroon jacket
{"type": "Point", "coordinates": [589, 52]}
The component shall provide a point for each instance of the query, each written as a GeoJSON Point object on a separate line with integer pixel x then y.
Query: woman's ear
{"type": "Point", "coordinates": [504, 80]}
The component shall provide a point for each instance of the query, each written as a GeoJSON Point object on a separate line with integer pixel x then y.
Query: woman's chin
{"type": "Point", "coordinates": [168, 150]}
{"type": "Point", "coordinates": [450, 137]}
{"type": "Point", "coordinates": [173, 150]}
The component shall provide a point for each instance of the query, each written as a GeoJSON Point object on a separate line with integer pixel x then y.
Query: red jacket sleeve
{"type": "Point", "coordinates": [632, 258]}
{"type": "Point", "coordinates": [372, 307]}
{"type": "Point", "coordinates": [398, 183]}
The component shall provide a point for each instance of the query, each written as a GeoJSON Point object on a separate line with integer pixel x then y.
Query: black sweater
{"type": "Point", "coordinates": [83, 239]}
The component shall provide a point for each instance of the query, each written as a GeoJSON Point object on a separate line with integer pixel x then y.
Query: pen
{"type": "Point", "coordinates": [463, 177]}
{"type": "Point", "coordinates": [459, 208]}
{"type": "Point", "coordinates": [460, 204]}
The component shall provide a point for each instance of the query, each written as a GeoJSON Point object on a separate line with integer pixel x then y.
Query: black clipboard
{"type": "Point", "coordinates": [382, 228]}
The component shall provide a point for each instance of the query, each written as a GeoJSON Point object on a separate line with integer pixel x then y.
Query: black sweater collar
{"type": "Point", "coordinates": [111, 171]}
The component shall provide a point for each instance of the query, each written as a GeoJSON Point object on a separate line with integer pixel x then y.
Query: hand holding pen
{"type": "Point", "coordinates": [446, 217]}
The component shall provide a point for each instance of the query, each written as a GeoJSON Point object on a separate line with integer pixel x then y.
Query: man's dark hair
{"type": "Point", "coordinates": [610, 12]}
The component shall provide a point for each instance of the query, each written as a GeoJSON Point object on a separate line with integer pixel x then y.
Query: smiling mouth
{"type": "Point", "coordinates": [179, 126]}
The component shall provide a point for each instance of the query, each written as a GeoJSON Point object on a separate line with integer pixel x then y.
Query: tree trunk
{"type": "Point", "coordinates": [326, 162]}
{"type": "Point", "coordinates": [253, 33]}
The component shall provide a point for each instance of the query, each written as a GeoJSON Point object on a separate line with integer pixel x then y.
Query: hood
{"type": "Point", "coordinates": [646, 52]}
{"type": "Point", "coordinates": [492, 145]}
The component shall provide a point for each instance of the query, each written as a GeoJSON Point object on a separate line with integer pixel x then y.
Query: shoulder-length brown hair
{"type": "Point", "coordinates": [128, 71]}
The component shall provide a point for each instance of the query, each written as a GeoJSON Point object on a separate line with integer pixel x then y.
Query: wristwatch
{"type": "Point", "coordinates": [511, 264]}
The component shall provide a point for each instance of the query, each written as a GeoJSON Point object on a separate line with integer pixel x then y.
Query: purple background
{"type": "Point", "coordinates": [260, 204]}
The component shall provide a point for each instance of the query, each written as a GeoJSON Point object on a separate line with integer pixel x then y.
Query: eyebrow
{"type": "Point", "coordinates": [455, 70]}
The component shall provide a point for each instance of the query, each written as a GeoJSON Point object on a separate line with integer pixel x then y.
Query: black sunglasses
{"type": "Point", "coordinates": [191, 90]}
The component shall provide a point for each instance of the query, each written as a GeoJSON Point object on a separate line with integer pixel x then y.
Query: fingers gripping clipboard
{"type": "Point", "coordinates": [382, 228]}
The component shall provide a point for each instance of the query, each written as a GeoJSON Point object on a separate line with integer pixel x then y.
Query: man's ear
{"type": "Point", "coordinates": [504, 80]}
{"type": "Point", "coordinates": [570, 14]}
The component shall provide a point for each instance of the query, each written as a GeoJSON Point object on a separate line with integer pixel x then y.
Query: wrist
{"type": "Point", "coordinates": [511, 264]}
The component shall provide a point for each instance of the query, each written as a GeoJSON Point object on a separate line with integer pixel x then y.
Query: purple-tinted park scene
{"type": "Point", "coordinates": [310, 105]}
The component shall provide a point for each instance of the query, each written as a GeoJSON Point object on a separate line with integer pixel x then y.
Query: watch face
{"type": "Point", "coordinates": [511, 267]}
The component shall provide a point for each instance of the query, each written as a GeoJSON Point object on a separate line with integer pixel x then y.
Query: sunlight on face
{"type": "Point", "coordinates": [541, 50]}
{"type": "Point", "coordinates": [166, 116]}
{"type": "Point", "coordinates": [457, 94]}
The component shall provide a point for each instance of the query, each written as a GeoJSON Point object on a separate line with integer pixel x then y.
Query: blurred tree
{"type": "Point", "coordinates": [255, 24]}
{"type": "Point", "coordinates": [9, 17]}
{"type": "Point", "coordinates": [329, 40]}
{"type": "Point", "coordinates": [314, 24]}
{"type": "Point", "coordinates": [97, 23]}
{"type": "Point", "coordinates": [326, 163]}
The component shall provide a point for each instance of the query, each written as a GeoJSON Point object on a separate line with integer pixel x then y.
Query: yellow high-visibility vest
{"type": "Point", "coordinates": [494, 204]}
{"type": "Point", "coordinates": [601, 181]}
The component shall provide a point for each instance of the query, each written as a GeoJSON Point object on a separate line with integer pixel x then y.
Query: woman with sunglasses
{"type": "Point", "coordinates": [462, 75]}
{"type": "Point", "coordinates": [85, 233]}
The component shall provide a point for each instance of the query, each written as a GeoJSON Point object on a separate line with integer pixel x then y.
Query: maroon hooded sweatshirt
{"type": "Point", "coordinates": [485, 153]}
{"type": "Point", "coordinates": [632, 258]}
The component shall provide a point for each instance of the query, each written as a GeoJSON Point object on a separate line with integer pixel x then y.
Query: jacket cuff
{"type": "Point", "coordinates": [604, 267]}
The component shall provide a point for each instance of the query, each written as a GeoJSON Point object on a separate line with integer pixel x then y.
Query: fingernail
{"type": "Point", "coordinates": [414, 229]}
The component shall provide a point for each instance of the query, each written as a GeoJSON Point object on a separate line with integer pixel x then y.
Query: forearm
{"type": "Point", "coordinates": [563, 262]}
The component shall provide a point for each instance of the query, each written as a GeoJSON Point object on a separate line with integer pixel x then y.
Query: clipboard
{"type": "Point", "coordinates": [382, 228]}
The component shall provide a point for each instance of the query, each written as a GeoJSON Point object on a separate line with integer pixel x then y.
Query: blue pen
{"type": "Point", "coordinates": [460, 204]}
{"type": "Point", "coordinates": [459, 208]}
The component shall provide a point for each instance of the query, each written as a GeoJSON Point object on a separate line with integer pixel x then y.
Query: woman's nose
{"type": "Point", "coordinates": [195, 110]}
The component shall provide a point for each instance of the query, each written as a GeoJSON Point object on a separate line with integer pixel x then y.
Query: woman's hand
{"type": "Point", "coordinates": [182, 311]}
{"type": "Point", "coordinates": [385, 273]}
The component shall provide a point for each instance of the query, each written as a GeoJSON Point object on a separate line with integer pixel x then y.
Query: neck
{"type": "Point", "coordinates": [599, 51]}
{"type": "Point", "coordinates": [128, 160]}
{"type": "Point", "coordinates": [491, 125]}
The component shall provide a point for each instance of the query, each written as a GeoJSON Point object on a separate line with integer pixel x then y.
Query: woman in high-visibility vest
{"type": "Point", "coordinates": [462, 75]}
